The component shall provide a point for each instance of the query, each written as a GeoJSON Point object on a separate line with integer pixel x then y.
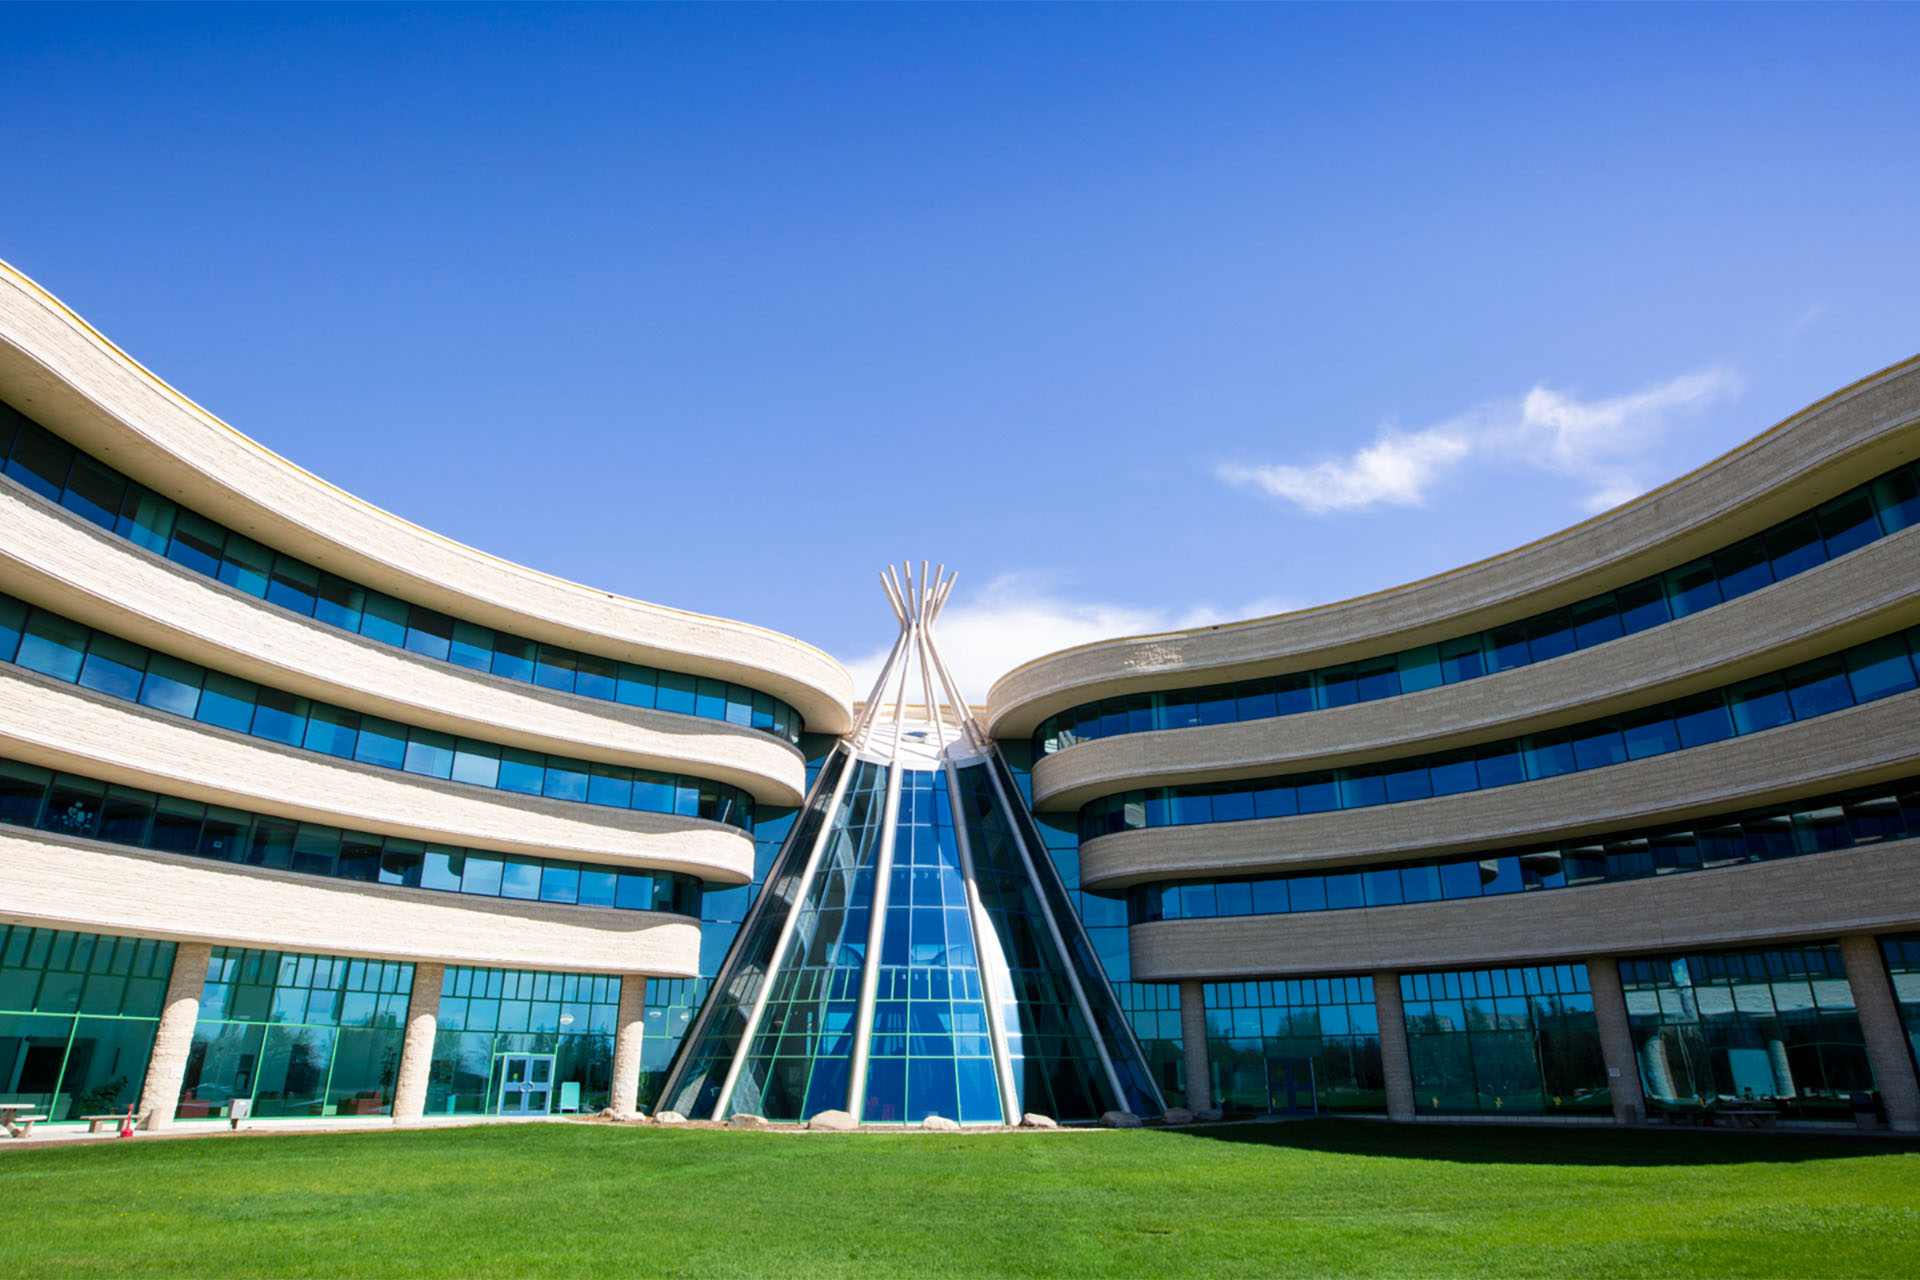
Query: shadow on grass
{"type": "Point", "coordinates": [1491, 1144]}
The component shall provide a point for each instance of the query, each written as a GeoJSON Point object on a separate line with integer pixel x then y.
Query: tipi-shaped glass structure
{"type": "Point", "coordinates": [914, 952]}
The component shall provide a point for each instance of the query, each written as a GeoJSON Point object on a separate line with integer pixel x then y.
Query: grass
{"type": "Point", "coordinates": [1307, 1198]}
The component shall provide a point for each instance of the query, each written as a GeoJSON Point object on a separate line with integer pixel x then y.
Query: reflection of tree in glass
{"type": "Point", "coordinates": [75, 819]}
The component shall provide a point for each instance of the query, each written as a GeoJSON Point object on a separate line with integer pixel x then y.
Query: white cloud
{"type": "Point", "coordinates": [1602, 443]}
{"type": "Point", "coordinates": [1397, 468]}
{"type": "Point", "coordinates": [1017, 617]}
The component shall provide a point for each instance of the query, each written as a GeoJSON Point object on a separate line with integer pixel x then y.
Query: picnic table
{"type": "Point", "coordinates": [17, 1125]}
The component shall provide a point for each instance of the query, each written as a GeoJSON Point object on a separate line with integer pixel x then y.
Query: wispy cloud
{"type": "Point", "coordinates": [1602, 443]}
{"type": "Point", "coordinates": [1020, 616]}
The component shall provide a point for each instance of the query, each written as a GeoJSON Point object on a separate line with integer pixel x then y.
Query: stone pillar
{"type": "Point", "coordinates": [416, 1051]}
{"type": "Point", "coordinates": [629, 1035]}
{"type": "Point", "coordinates": [1193, 1044]}
{"type": "Point", "coordinates": [1396, 1064]}
{"type": "Point", "coordinates": [1616, 1040]}
{"type": "Point", "coordinates": [173, 1038]}
{"type": "Point", "coordinates": [1880, 1024]}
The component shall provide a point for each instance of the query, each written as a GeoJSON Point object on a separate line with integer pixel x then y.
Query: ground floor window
{"type": "Point", "coordinates": [671, 1004]}
{"type": "Point", "coordinates": [503, 1033]}
{"type": "Point", "coordinates": [77, 1018]}
{"type": "Point", "coordinates": [1504, 1042]}
{"type": "Point", "coordinates": [1286, 1045]}
{"type": "Point", "coordinates": [1773, 1030]}
{"type": "Point", "coordinates": [296, 1035]}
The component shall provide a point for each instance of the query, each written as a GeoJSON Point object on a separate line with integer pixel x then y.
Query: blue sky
{"type": "Point", "coordinates": [1137, 316]}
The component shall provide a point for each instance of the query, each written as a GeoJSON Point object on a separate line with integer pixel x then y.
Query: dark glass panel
{"type": "Point", "coordinates": [1815, 688]}
{"type": "Point", "coordinates": [384, 619]}
{"type": "Point", "coordinates": [1898, 498]}
{"type": "Point", "coordinates": [294, 585]}
{"type": "Point", "coordinates": [1642, 605]}
{"type": "Point", "coordinates": [245, 564]}
{"type": "Point", "coordinates": [95, 492]}
{"type": "Point", "coordinates": [227, 701]}
{"type": "Point", "coordinates": [52, 645]}
{"type": "Point", "coordinates": [429, 632]}
{"type": "Point", "coordinates": [40, 460]}
{"type": "Point", "coordinates": [1550, 635]}
{"type": "Point", "coordinates": [1848, 522]}
{"type": "Point", "coordinates": [1595, 621]}
{"type": "Point", "coordinates": [339, 603]}
{"type": "Point", "coordinates": [1461, 659]}
{"type": "Point", "coordinates": [1759, 704]}
{"type": "Point", "coordinates": [1743, 567]}
{"type": "Point", "coordinates": [1795, 546]}
{"type": "Point", "coordinates": [1702, 719]}
{"type": "Point", "coordinates": [114, 667]}
{"type": "Point", "coordinates": [197, 543]}
{"type": "Point", "coordinates": [1879, 668]}
{"type": "Point", "coordinates": [1692, 587]}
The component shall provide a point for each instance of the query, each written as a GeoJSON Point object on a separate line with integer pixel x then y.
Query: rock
{"type": "Point", "coordinates": [834, 1121]}
{"type": "Point", "coordinates": [1177, 1115]}
{"type": "Point", "coordinates": [670, 1117]}
{"type": "Point", "coordinates": [1034, 1120]}
{"type": "Point", "coordinates": [1120, 1120]}
{"type": "Point", "coordinates": [940, 1124]}
{"type": "Point", "coordinates": [746, 1120]}
{"type": "Point", "coordinates": [606, 1113]}
{"type": "Point", "coordinates": [1211, 1113]}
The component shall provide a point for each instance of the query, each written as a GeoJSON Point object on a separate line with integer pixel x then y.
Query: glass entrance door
{"type": "Point", "coordinates": [1290, 1087]}
{"type": "Point", "coordinates": [526, 1085]}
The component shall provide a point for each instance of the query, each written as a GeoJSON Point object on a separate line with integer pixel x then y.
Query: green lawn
{"type": "Point", "coordinates": [1306, 1198]}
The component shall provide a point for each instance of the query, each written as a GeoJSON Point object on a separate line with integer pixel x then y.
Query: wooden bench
{"type": "Point", "coordinates": [19, 1126]}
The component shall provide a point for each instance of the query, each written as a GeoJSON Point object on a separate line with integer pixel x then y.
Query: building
{"type": "Point", "coordinates": [305, 808]}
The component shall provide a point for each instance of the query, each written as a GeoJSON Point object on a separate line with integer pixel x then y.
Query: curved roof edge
{"type": "Point", "coordinates": [61, 370]}
{"type": "Point", "coordinates": [1741, 491]}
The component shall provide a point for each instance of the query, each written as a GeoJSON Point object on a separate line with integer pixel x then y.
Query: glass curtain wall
{"type": "Point", "coordinates": [799, 1061]}
{"type": "Point", "coordinates": [77, 1018]}
{"type": "Point", "coordinates": [1505, 1042]}
{"type": "Point", "coordinates": [693, 1083]}
{"type": "Point", "coordinates": [1329, 1022]}
{"type": "Point", "coordinates": [1151, 1009]}
{"type": "Point", "coordinates": [298, 1035]}
{"type": "Point", "coordinates": [931, 1052]}
{"type": "Point", "coordinates": [1056, 1063]}
{"type": "Point", "coordinates": [1764, 1029]}
{"type": "Point", "coordinates": [489, 1014]}
{"type": "Point", "coordinates": [1902, 952]}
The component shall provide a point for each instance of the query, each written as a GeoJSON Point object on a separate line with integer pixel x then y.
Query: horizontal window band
{"type": "Point", "coordinates": [56, 646]}
{"type": "Point", "coordinates": [1869, 815]}
{"type": "Point", "coordinates": [41, 461]}
{"type": "Point", "coordinates": [68, 804]}
{"type": "Point", "coordinates": [1864, 673]}
{"type": "Point", "coordinates": [1862, 515]}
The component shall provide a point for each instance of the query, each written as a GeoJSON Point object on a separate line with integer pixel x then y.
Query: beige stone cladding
{"type": "Point", "coordinates": [58, 370]}
{"type": "Point", "coordinates": [1849, 437]}
{"type": "Point", "coordinates": [1861, 745]}
{"type": "Point", "coordinates": [1867, 889]}
{"type": "Point", "coordinates": [1859, 597]}
{"type": "Point", "coordinates": [55, 559]}
{"type": "Point", "coordinates": [54, 881]}
{"type": "Point", "coordinates": [63, 726]}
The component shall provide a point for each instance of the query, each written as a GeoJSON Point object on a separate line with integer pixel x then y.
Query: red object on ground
{"type": "Point", "coordinates": [126, 1125]}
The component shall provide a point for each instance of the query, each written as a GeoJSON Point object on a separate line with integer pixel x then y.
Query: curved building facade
{"type": "Point", "coordinates": [305, 810]}
{"type": "Point", "coordinates": [1621, 823]}
{"type": "Point", "coordinates": [310, 811]}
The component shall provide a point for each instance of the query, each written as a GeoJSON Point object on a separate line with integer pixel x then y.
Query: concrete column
{"type": "Point", "coordinates": [1616, 1040]}
{"type": "Point", "coordinates": [173, 1038]}
{"type": "Point", "coordinates": [1880, 1024]}
{"type": "Point", "coordinates": [1193, 1043]}
{"type": "Point", "coordinates": [416, 1051]}
{"type": "Point", "coordinates": [628, 1038]}
{"type": "Point", "coordinates": [1396, 1064]}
